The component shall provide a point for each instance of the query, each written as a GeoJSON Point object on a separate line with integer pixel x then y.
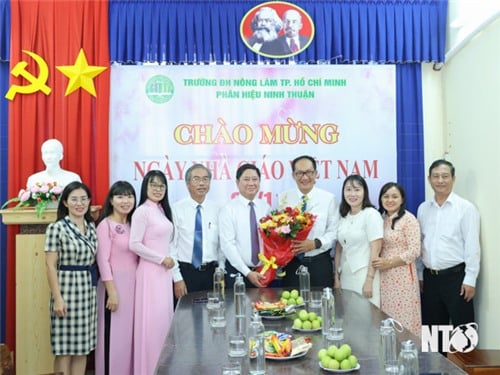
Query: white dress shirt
{"type": "Point", "coordinates": [234, 231]}
{"type": "Point", "coordinates": [322, 204]}
{"type": "Point", "coordinates": [450, 236]}
{"type": "Point", "coordinates": [184, 214]}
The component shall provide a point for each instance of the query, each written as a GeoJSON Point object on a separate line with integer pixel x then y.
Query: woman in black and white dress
{"type": "Point", "coordinates": [70, 248]}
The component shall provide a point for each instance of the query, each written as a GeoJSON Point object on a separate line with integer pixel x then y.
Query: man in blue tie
{"type": "Point", "coordinates": [314, 252]}
{"type": "Point", "coordinates": [238, 223]}
{"type": "Point", "coordinates": [196, 237]}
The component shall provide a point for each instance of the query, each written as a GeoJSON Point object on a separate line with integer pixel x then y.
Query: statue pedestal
{"type": "Point", "coordinates": [32, 353]}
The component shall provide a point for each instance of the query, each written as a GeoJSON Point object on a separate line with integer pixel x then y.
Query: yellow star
{"type": "Point", "coordinates": [81, 74]}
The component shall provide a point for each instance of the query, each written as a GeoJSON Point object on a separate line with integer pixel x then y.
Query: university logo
{"type": "Point", "coordinates": [463, 338]}
{"type": "Point", "coordinates": [159, 89]}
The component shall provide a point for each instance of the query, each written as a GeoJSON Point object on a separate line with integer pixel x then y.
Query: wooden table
{"type": "Point", "coordinates": [194, 347]}
{"type": "Point", "coordinates": [478, 361]}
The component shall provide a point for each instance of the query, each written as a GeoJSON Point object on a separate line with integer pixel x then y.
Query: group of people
{"type": "Point", "coordinates": [152, 255]}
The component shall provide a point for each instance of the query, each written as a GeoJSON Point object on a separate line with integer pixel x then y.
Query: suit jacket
{"type": "Point", "coordinates": [279, 46]}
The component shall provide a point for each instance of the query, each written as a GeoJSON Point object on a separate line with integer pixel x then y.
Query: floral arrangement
{"type": "Point", "coordinates": [278, 230]}
{"type": "Point", "coordinates": [38, 196]}
{"type": "Point", "coordinates": [286, 223]}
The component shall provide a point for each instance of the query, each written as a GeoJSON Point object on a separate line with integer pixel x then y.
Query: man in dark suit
{"type": "Point", "coordinates": [291, 42]}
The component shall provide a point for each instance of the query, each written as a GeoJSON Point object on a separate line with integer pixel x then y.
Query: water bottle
{"type": "Point", "coordinates": [408, 359]}
{"type": "Point", "coordinates": [388, 353]}
{"type": "Point", "coordinates": [219, 283]}
{"type": "Point", "coordinates": [304, 283]}
{"type": "Point", "coordinates": [256, 346]}
{"type": "Point", "coordinates": [327, 310]}
{"type": "Point", "coordinates": [239, 304]}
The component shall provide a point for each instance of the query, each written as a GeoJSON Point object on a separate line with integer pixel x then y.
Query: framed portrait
{"type": "Point", "coordinates": [277, 29]}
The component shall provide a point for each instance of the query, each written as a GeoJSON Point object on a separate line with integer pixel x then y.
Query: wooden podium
{"type": "Point", "coordinates": [32, 353]}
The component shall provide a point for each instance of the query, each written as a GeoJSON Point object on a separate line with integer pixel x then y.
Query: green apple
{"type": "Point", "coordinates": [316, 324]}
{"type": "Point", "coordinates": [354, 361]}
{"type": "Point", "coordinates": [291, 301]}
{"type": "Point", "coordinates": [284, 300]}
{"type": "Point", "coordinates": [322, 352]}
{"type": "Point", "coordinates": [347, 348]}
{"type": "Point", "coordinates": [303, 315]}
{"type": "Point", "coordinates": [297, 324]}
{"type": "Point", "coordinates": [333, 364]}
{"type": "Point", "coordinates": [345, 364]}
{"type": "Point", "coordinates": [312, 316]}
{"type": "Point", "coordinates": [299, 300]}
{"type": "Point", "coordinates": [285, 294]}
{"type": "Point", "coordinates": [340, 355]}
{"type": "Point", "coordinates": [294, 293]}
{"type": "Point", "coordinates": [325, 361]}
{"type": "Point", "coordinates": [332, 349]}
{"type": "Point", "coordinates": [306, 324]}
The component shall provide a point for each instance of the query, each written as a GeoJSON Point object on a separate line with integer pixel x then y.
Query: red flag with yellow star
{"type": "Point", "coordinates": [59, 88]}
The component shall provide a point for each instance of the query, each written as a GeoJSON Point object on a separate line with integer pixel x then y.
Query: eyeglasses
{"type": "Point", "coordinates": [157, 186]}
{"type": "Point", "coordinates": [198, 180]}
{"type": "Point", "coordinates": [300, 174]}
{"type": "Point", "coordinates": [74, 201]}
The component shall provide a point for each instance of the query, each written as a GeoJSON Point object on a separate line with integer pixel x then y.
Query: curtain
{"type": "Point", "coordinates": [410, 133]}
{"type": "Point", "coordinates": [199, 31]}
{"type": "Point", "coordinates": [4, 80]}
{"type": "Point", "coordinates": [4, 30]}
{"type": "Point", "coordinates": [57, 31]}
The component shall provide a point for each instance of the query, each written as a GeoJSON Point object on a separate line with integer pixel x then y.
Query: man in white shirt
{"type": "Point", "coordinates": [189, 277]}
{"type": "Point", "coordinates": [450, 251]}
{"type": "Point", "coordinates": [314, 252]}
{"type": "Point", "coordinates": [235, 227]}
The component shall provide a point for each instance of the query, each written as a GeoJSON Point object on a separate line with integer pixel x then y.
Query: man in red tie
{"type": "Point", "coordinates": [292, 41]}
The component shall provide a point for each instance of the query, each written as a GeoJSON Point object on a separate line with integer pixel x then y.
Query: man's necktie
{"type": "Point", "coordinates": [304, 203]}
{"type": "Point", "coordinates": [303, 207]}
{"type": "Point", "coordinates": [254, 235]}
{"type": "Point", "coordinates": [293, 46]}
{"type": "Point", "coordinates": [198, 239]}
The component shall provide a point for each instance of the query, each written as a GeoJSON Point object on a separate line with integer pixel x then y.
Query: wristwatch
{"type": "Point", "coordinates": [317, 243]}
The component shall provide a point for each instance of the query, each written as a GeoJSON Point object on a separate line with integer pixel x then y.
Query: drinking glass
{"type": "Point", "coordinates": [231, 368]}
{"type": "Point", "coordinates": [336, 332]}
{"type": "Point", "coordinates": [219, 315]}
{"type": "Point", "coordinates": [237, 346]}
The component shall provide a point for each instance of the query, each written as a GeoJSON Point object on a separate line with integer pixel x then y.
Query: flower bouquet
{"type": "Point", "coordinates": [38, 196]}
{"type": "Point", "coordinates": [278, 230]}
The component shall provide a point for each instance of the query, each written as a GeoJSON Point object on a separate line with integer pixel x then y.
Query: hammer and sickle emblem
{"type": "Point", "coordinates": [36, 83]}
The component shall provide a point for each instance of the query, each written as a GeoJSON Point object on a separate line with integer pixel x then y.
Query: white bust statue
{"type": "Point", "coordinates": [52, 154]}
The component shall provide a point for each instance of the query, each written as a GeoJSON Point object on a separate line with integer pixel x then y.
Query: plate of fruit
{"type": "Point", "coordinates": [338, 359]}
{"type": "Point", "coordinates": [280, 346]}
{"type": "Point", "coordinates": [307, 321]}
{"type": "Point", "coordinates": [292, 298]}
